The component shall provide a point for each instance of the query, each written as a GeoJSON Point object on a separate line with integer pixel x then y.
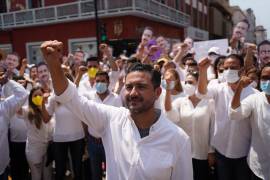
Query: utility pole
{"type": "Point", "coordinates": [97, 27]}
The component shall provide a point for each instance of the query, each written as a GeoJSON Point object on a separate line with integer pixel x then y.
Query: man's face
{"type": "Point", "coordinates": [147, 35]}
{"type": "Point", "coordinates": [102, 79]}
{"type": "Point", "coordinates": [241, 29]}
{"type": "Point", "coordinates": [189, 42]}
{"type": "Point", "coordinates": [78, 57]}
{"type": "Point", "coordinates": [33, 73]}
{"type": "Point", "coordinates": [92, 64]}
{"type": "Point", "coordinates": [264, 53]}
{"type": "Point", "coordinates": [140, 94]}
{"type": "Point", "coordinates": [161, 42]}
{"type": "Point", "coordinates": [12, 61]}
{"type": "Point", "coordinates": [43, 73]}
{"type": "Point", "coordinates": [232, 63]}
{"type": "Point", "coordinates": [265, 75]}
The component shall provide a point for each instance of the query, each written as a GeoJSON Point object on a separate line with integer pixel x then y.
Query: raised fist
{"type": "Point", "coordinates": [52, 51]}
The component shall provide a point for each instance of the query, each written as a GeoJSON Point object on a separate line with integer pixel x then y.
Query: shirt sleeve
{"type": "Point", "coordinates": [244, 110]}
{"type": "Point", "coordinates": [212, 124]}
{"type": "Point", "coordinates": [13, 103]}
{"type": "Point", "coordinates": [183, 168]}
{"type": "Point", "coordinates": [51, 105]}
{"type": "Point", "coordinates": [95, 115]}
{"type": "Point", "coordinates": [174, 113]}
{"type": "Point", "coordinates": [212, 91]}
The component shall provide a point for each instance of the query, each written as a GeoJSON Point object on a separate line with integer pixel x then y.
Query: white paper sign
{"type": "Point", "coordinates": [201, 48]}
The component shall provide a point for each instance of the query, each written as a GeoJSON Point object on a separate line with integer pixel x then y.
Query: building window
{"type": "Point", "coordinates": [33, 52]}
{"type": "Point", "coordinates": [87, 45]}
{"type": "Point", "coordinates": [34, 3]}
{"type": "Point", "coordinates": [7, 48]}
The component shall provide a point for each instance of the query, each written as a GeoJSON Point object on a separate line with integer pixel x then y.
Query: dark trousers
{"type": "Point", "coordinates": [97, 157]}
{"type": "Point", "coordinates": [19, 168]}
{"type": "Point", "coordinates": [4, 176]}
{"type": "Point", "coordinates": [76, 149]}
{"type": "Point", "coordinates": [200, 169]}
{"type": "Point", "coordinates": [232, 169]}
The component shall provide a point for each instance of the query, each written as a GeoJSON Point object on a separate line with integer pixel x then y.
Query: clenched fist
{"type": "Point", "coordinates": [52, 51]}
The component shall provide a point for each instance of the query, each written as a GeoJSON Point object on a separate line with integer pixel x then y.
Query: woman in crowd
{"type": "Point", "coordinates": [38, 134]}
{"type": "Point", "coordinates": [196, 118]}
{"type": "Point", "coordinates": [172, 87]}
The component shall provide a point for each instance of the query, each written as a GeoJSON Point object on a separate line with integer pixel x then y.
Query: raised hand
{"type": "Point", "coordinates": [244, 81]}
{"type": "Point", "coordinates": [52, 51]}
{"type": "Point", "coordinates": [204, 63]}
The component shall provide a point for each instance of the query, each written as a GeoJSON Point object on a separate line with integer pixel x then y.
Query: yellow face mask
{"type": "Point", "coordinates": [37, 100]}
{"type": "Point", "coordinates": [92, 72]}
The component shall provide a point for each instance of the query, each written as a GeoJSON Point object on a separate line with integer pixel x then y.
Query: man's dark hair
{"type": "Point", "coordinates": [155, 75]}
{"type": "Point", "coordinates": [93, 58]}
{"type": "Point", "coordinates": [103, 73]}
{"type": "Point", "coordinates": [41, 64]}
{"type": "Point", "coordinates": [238, 57]}
{"type": "Point", "coordinates": [265, 42]}
{"type": "Point", "coordinates": [245, 21]}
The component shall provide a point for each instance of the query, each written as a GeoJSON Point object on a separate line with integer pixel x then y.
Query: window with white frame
{"type": "Point", "coordinates": [33, 52]}
{"type": "Point", "coordinates": [87, 45]}
{"type": "Point", "coordinates": [7, 48]}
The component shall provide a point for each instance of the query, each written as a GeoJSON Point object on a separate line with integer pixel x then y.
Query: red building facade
{"type": "Point", "coordinates": [30, 22]}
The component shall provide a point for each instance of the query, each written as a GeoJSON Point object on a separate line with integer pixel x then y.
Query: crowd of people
{"type": "Point", "coordinates": [159, 114]}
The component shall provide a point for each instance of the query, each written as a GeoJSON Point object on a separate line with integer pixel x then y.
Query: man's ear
{"type": "Point", "coordinates": [158, 91]}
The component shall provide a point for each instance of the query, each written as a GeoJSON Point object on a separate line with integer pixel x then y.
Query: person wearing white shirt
{"type": "Point", "coordinates": [38, 135]}
{"type": "Point", "coordinates": [171, 89]}
{"type": "Point", "coordinates": [257, 108]}
{"type": "Point", "coordinates": [139, 142]}
{"type": "Point", "coordinates": [68, 136]}
{"type": "Point", "coordinates": [19, 168]}
{"type": "Point", "coordinates": [8, 108]}
{"type": "Point", "coordinates": [196, 117]}
{"type": "Point", "coordinates": [95, 147]}
{"type": "Point", "coordinates": [87, 82]}
{"type": "Point", "coordinates": [231, 139]}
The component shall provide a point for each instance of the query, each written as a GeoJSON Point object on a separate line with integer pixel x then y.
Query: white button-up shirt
{"type": "Point", "coordinates": [8, 108]}
{"type": "Point", "coordinates": [257, 108]}
{"type": "Point", "coordinates": [231, 138]}
{"type": "Point", "coordinates": [164, 154]}
{"type": "Point", "coordinates": [197, 122]}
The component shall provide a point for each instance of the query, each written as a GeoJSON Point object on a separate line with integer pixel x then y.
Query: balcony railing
{"type": "Point", "coordinates": [80, 10]}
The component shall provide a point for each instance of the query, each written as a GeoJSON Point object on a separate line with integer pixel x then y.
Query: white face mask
{"type": "Point", "coordinates": [189, 89]}
{"type": "Point", "coordinates": [231, 76]}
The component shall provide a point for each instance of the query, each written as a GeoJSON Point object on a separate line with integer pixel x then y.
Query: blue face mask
{"type": "Point", "coordinates": [165, 85]}
{"type": "Point", "coordinates": [265, 86]}
{"type": "Point", "coordinates": [101, 87]}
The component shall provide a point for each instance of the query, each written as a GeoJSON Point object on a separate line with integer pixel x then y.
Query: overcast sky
{"type": "Point", "coordinates": [261, 9]}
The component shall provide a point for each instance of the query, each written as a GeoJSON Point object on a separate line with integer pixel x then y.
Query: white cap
{"type": "Point", "coordinates": [215, 50]}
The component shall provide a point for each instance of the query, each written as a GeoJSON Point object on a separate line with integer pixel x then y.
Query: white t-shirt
{"type": "Point", "coordinates": [66, 129]}
{"type": "Point", "coordinates": [257, 108]}
{"type": "Point", "coordinates": [18, 129]}
{"type": "Point", "coordinates": [37, 139]}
